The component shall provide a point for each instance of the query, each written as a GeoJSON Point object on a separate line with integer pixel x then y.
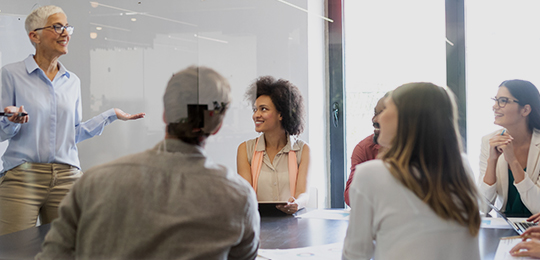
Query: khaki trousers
{"type": "Point", "coordinates": [31, 190]}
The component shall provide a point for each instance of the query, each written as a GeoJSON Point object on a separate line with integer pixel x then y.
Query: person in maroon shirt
{"type": "Point", "coordinates": [366, 149]}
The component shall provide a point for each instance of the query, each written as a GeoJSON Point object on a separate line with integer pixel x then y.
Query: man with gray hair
{"type": "Point", "coordinates": [169, 202]}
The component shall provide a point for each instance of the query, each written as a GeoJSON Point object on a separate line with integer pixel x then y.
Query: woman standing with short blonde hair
{"type": "Point", "coordinates": [41, 162]}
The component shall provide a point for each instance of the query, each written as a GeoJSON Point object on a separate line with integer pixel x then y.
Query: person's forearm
{"type": "Point", "coordinates": [517, 171]}
{"type": "Point", "coordinates": [490, 177]}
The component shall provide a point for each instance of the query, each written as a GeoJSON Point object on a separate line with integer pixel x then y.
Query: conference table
{"type": "Point", "coordinates": [278, 232]}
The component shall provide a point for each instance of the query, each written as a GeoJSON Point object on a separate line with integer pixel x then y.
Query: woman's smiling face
{"type": "Point", "coordinates": [511, 113]}
{"type": "Point", "coordinates": [265, 114]}
{"type": "Point", "coordinates": [49, 40]}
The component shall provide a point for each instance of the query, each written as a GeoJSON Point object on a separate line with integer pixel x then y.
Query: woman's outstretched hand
{"type": "Point", "coordinates": [125, 116]}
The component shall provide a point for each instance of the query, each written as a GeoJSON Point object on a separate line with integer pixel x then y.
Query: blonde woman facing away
{"type": "Point", "coordinates": [418, 200]}
{"type": "Point", "coordinates": [276, 163]}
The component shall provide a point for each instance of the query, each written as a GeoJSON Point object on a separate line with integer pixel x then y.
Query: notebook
{"type": "Point", "coordinates": [518, 226]}
{"type": "Point", "coordinates": [268, 208]}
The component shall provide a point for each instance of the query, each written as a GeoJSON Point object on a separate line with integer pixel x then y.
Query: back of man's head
{"type": "Point", "coordinates": [195, 103]}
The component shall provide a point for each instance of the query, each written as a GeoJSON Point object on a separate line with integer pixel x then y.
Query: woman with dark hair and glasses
{"type": "Point", "coordinates": [43, 123]}
{"type": "Point", "coordinates": [511, 181]}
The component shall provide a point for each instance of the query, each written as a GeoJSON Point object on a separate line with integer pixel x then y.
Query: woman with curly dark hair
{"type": "Point", "coordinates": [276, 163]}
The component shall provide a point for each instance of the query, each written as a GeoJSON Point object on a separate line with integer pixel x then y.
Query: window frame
{"type": "Point", "coordinates": [455, 78]}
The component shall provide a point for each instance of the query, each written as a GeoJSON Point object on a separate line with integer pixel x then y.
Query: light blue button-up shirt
{"type": "Point", "coordinates": [54, 110]}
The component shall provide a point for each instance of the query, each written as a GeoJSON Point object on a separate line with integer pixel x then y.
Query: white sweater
{"type": "Point", "coordinates": [388, 221]}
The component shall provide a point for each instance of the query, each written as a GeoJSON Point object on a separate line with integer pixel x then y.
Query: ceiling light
{"type": "Point", "coordinates": [93, 35]}
{"type": "Point", "coordinates": [131, 12]}
{"type": "Point", "coordinates": [305, 10]}
{"type": "Point", "coordinates": [110, 27]}
{"type": "Point", "coordinates": [99, 28]}
{"type": "Point", "coordinates": [210, 39]}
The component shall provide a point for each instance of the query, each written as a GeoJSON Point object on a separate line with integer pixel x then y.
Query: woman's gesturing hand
{"type": "Point", "coordinates": [125, 116]}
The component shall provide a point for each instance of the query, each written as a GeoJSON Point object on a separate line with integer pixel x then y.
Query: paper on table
{"type": "Point", "coordinates": [338, 214]}
{"type": "Point", "coordinates": [503, 251]}
{"type": "Point", "coordinates": [325, 252]}
{"type": "Point", "coordinates": [498, 223]}
{"type": "Point", "coordinates": [518, 219]}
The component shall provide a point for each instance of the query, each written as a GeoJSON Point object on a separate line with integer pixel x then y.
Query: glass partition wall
{"type": "Point", "coordinates": [125, 51]}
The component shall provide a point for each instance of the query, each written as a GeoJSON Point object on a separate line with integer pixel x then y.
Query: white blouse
{"type": "Point", "coordinates": [273, 184]}
{"type": "Point", "coordinates": [388, 221]}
